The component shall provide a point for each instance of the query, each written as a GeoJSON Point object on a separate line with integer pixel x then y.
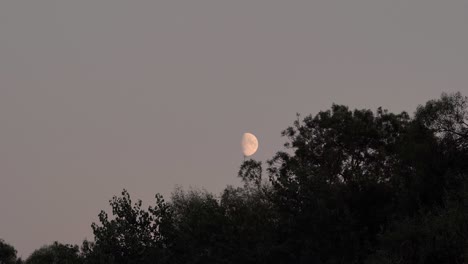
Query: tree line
{"type": "Point", "coordinates": [350, 186]}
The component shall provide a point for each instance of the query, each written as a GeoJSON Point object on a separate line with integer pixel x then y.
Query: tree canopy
{"type": "Point", "coordinates": [350, 186]}
{"type": "Point", "coordinates": [55, 253]}
{"type": "Point", "coordinates": [7, 253]}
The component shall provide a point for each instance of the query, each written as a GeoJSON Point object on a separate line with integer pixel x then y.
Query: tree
{"type": "Point", "coordinates": [439, 235]}
{"type": "Point", "coordinates": [55, 254]}
{"type": "Point", "coordinates": [332, 186]}
{"type": "Point", "coordinates": [198, 223]}
{"type": "Point", "coordinates": [134, 235]}
{"type": "Point", "coordinates": [251, 173]}
{"type": "Point", "coordinates": [7, 253]}
{"type": "Point", "coordinates": [251, 224]}
{"type": "Point", "coordinates": [447, 118]}
{"type": "Point", "coordinates": [238, 227]}
{"type": "Point", "coordinates": [352, 186]}
{"type": "Point", "coordinates": [437, 230]}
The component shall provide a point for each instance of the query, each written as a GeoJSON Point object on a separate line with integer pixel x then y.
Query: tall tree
{"type": "Point", "coordinates": [332, 183]}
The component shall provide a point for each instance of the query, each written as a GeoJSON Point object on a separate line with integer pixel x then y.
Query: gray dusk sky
{"type": "Point", "coordinates": [101, 95]}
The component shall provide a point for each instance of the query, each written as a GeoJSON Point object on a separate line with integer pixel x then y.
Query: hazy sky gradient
{"type": "Point", "coordinates": [100, 95]}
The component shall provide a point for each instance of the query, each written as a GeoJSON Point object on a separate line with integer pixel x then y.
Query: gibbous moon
{"type": "Point", "coordinates": [249, 144]}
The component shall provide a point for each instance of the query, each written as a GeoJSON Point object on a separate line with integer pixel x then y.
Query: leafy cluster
{"type": "Point", "coordinates": [351, 186]}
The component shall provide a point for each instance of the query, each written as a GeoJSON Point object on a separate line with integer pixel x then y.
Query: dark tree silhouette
{"type": "Point", "coordinates": [7, 253]}
{"type": "Point", "coordinates": [333, 185]}
{"type": "Point", "coordinates": [55, 254]}
{"type": "Point", "coordinates": [351, 186]}
{"type": "Point", "coordinates": [134, 235]}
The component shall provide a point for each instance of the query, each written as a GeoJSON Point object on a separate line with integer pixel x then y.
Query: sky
{"type": "Point", "coordinates": [101, 95]}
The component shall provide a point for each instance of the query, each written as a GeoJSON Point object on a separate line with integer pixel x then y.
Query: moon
{"type": "Point", "coordinates": [249, 144]}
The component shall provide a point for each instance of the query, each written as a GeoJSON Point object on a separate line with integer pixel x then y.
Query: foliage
{"type": "Point", "coordinates": [351, 186]}
{"type": "Point", "coordinates": [334, 189]}
{"type": "Point", "coordinates": [55, 254]}
{"type": "Point", "coordinates": [133, 236]}
{"type": "Point", "coordinates": [7, 253]}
